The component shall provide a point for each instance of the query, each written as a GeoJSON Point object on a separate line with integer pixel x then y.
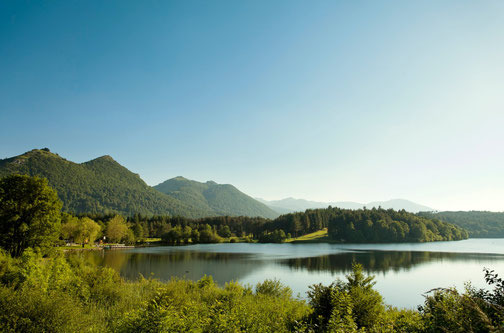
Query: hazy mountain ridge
{"type": "Point", "coordinates": [222, 199]}
{"type": "Point", "coordinates": [299, 205]}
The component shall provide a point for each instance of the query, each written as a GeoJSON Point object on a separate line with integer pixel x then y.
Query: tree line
{"type": "Point", "coordinates": [380, 225]}
{"type": "Point", "coordinates": [367, 225]}
{"type": "Point", "coordinates": [479, 224]}
{"type": "Point", "coordinates": [344, 225]}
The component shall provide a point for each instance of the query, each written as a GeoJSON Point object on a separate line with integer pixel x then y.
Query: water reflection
{"type": "Point", "coordinates": [165, 263]}
{"type": "Point", "coordinates": [403, 271]}
{"type": "Point", "coordinates": [192, 265]}
{"type": "Point", "coordinates": [382, 261]}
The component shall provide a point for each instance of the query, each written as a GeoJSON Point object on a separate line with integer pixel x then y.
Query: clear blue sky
{"type": "Point", "coordinates": [323, 100]}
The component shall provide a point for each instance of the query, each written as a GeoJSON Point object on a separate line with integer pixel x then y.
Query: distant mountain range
{"type": "Point", "coordinates": [104, 186]}
{"type": "Point", "coordinates": [289, 205]}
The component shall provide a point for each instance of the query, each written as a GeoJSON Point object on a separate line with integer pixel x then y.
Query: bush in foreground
{"type": "Point", "coordinates": [67, 294]}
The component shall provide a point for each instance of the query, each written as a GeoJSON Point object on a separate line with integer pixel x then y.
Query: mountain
{"type": "Point", "coordinates": [398, 204]}
{"type": "Point", "coordinates": [300, 205]}
{"type": "Point", "coordinates": [221, 199]}
{"type": "Point", "coordinates": [290, 205]}
{"type": "Point", "coordinates": [98, 186]}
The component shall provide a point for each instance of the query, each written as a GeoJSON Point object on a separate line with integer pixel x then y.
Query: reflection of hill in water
{"type": "Point", "coordinates": [381, 261]}
{"type": "Point", "coordinates": [223, 267]}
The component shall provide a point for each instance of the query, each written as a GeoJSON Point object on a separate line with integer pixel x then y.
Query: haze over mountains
{"type": "Point", "coordinates": [299, 205]}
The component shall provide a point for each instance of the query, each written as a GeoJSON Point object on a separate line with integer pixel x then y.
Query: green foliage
{"type": "Point", "coordinates": [496, 297]}
{"type": "Point", "coordinates": [478, 224]}
{"type": "Point", "coordinates": [138, 232]}
{"type": "Point", "coordinates": [174, 236]}
{"type": "Point", "coordinates": [29, 214]}
{"type": "Point", "coordinates": [347, 306]}
{"type": "Point", "coordinates": [354, 306]}
{"type": "Point", "coordinates": [117, 229]}
{"type": "Point", "coordinates": [366, 225]}
{"type": "Point", "coordinates": [83, 230]}
{"type": "Point", "coordinates": [448, 311]}
{"type": "Point", "coordinates": [476, 310]}
{"type": "Point", "coordinates": [224, 231]}
{"type": "Point", "coordinates": [37, 295]}
{"type": "Point", "coordinates": [64, 294]}
{"type": "Point", "coordinates": [182, 306]}
{"type": "Point", "coordinates": [276, 236]}
{"type": "Point", "coordinates": [216, 199]}
{"type": "Point", "coordinates": [273, 288]}
{"type": "Point", "coordinates": [379, 225]}
{"type": "Point", "coordinates": [202, 233]}
{"type": "Point", "coordinates": [156, 226]}
{"type": "Point", "coordinates": [208, 235]}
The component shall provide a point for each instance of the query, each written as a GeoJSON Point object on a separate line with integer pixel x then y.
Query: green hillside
{"type": "Point", "coordinates": [480, 224]}
{"type": "Point", "coordinates": [222, 199]}
{"type": "Point", "coordinates": [98, 186]}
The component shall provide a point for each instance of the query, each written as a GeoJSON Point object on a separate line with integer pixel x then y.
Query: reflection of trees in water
{"type": "Point", "coordinates": [184, 264]}
{"type": "Point", "coordinates": [236, 266]}
{"type": "Point", "coordinates": [379, 261]}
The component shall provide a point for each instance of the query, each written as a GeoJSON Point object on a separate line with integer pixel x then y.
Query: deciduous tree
{"type": "Point", "coordinates": [117, 229]}
{"type": "Point", "coordinates": [30, 213]}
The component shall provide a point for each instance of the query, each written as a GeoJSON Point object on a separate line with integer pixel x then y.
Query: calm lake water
{"type": "Point", "coordinates": [403, 271]}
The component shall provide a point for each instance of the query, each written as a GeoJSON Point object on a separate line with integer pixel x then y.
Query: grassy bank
{"type": "Point", "coordinates": [319, 236]}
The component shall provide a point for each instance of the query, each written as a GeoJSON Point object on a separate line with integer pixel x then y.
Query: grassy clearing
{"type": "Point", "coordinates": [152, 240]}
{"type": "Point", "coordinates": [314, 237]}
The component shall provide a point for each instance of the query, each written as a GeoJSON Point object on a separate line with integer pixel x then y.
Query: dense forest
{"type": "Point", "coordinates": [368, 225]}
{"type": "Point", "coordinates": [479, 224]}
{"type": "Point", "coordinates": [379, 225]}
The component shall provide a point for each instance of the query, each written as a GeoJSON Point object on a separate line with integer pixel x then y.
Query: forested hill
{"type": "Point", "coordinates": [222, 199]}
{"type": "Point", "coordinates": [104, 186]}
{"type": "Point", "coordinates": [479, 224]}
{"type": "Point", "coordinates": [98, 186]}
{"type": "Point", "coordinates": [368, 225]}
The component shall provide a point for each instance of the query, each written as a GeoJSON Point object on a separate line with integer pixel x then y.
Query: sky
{"type": "Point", "coordinates": [321, 100]}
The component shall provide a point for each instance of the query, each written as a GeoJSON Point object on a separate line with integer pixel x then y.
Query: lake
{"type": "Point", "coordinates": [403, 271]}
